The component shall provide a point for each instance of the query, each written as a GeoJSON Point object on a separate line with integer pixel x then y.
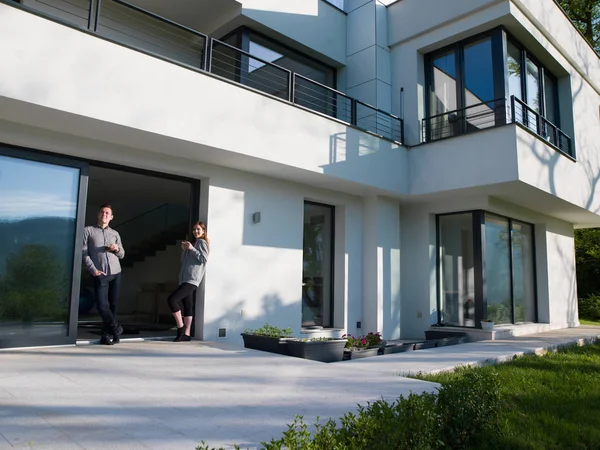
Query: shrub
{"type": "Point", "coordinates": [469, 409]}
{"type": "Point", "coordinates": [463, 414]}
{"type": "Point", "coordinates": [270, 331]}
{"type": "Point", "coordinates": [589, 307]}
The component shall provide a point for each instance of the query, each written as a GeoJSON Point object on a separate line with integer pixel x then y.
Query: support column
{"type": "Point", "coordinates": [381, 262]}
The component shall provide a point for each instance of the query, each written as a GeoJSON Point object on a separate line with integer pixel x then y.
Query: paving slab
{"type": "Point", "coordinates": [161, 395]}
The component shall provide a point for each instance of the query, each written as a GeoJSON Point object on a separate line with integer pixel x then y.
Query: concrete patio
{"type": "Point", "coordinates": [161, 395]}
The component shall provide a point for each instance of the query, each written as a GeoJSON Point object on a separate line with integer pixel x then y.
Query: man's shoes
{"type": "Point", "coordinates": [105, 340]}
{"type": "Point", "coordinates": [186, 338]}
{"type": "Point", "coordinates": [118, 332]}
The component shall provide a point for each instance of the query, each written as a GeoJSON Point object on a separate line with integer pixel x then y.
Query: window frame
{"type": "Point", "coordinates": [543, 72]}
{"type": "Point", "coordinates": [333, 209]}
{"type": "Point", "coordinates": [479, 256]}
{"type": "Point", "coordinates": [499, 39]}
{"type": "Point", "coordinates": [244, 36]}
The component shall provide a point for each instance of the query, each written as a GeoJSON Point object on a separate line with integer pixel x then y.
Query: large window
{"type": "Point", "coordinates": [462, 88]}
{"type": "Point", "coordinates": [317, 273]}
{"type": "Point", "coordinates": [537, 88]}
{"type": "Point", "coordinates": [38, 210]}
{"type": "Point", "coordinates": [470, 86]}
{"type": "Point", "coordinates": [457, 264]}
{"type": "Point", "coordinates": [313, 77]}
{"type": "Point", "coordinates": [486, 269]}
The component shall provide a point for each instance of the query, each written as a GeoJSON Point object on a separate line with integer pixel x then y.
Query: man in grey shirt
{"type": "Point", "coordinates": [102, 250]}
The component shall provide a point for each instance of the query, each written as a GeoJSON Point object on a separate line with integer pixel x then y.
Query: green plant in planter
{"type": "Point", "coordinates": [270, 331]}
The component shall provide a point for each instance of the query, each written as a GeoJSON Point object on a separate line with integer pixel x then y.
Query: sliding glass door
{"type": "Point", "coordinates": [486, 269]}
{"type": "Point", "coordinates": [39, 256]}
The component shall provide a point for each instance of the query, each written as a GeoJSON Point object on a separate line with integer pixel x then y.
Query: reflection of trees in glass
{"type": "Point", "coordinates": [313, 257]}
{"type": "Point", "coordinates": [533, 81]}
{"type": "Point", "coordinates": [35, 286]}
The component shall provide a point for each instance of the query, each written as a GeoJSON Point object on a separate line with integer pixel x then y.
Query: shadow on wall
{"type": "Point", "coordinates": [567, 268]}
{"type": "Point", "coordinates": [584, 113]}
{"type": "Point", "coordinates": [272, 310]}
{"type": "Point", "coordinates": [353, 152]}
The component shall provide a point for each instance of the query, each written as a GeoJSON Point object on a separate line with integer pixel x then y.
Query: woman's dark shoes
{"type": "Point", "coordinates": [180, 334]}
{"type": "Point", "coordinates": [186, 338]}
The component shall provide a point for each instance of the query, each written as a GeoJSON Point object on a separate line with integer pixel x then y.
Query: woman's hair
{"type": "Point", "coordinates": [201, 225]}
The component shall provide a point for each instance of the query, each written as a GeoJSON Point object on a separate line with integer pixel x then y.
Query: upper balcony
{"type": "Point", "coordinates": [153, 34]}
{"type": "Point", "coordinates": [496, 113]}
{"type": "Point", "coordinates": [168, 90]}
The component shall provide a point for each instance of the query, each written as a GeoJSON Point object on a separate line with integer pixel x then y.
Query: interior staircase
{"type": "Point", "coordinates": [146, 248]}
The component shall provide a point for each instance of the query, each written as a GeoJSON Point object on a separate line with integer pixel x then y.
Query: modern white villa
{"type": "Point", "coordinates": [361, 165]}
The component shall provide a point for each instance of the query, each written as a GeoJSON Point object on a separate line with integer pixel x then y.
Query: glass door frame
{"type": "Point", "coordinates": [331, 292]}
{"type": "Point", "coordinates": [58, 160]}
{"type": "Point", "coordinates": [479, 256]}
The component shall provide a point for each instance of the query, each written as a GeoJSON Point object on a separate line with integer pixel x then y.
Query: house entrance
{"type": "Point", "coordinates": [152, 215]}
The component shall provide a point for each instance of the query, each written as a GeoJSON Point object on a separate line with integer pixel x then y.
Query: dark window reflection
{"type": "Point", "coordinates": [37, 231]}
{"type": "Point", "coordinates": [317, 273]}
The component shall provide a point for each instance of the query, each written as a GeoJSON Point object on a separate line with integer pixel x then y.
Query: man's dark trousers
{"type": "Point", "coordinates": [106, 290]}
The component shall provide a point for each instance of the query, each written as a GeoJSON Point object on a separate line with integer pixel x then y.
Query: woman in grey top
{"type": "Point", "coordinates": [193, 266]}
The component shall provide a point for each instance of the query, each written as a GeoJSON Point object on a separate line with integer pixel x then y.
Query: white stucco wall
{"type": "Point", "coordinates": [507, 154]}
{"type": "Point", "coordinates": [258, 267]}
{"type": "Point", "coordinates": [253, 267]}
{"type": "Point", "coordinates": [555, 262]}
{"type": "Point", "coordinates": [68, 71]}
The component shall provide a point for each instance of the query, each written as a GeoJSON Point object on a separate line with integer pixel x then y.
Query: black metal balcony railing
{"type": "Point", "coordinates": [143, 30]}
{"type": "Point", "coordinates": [526, 116]}
{"type": "Point", "coordinates": [492, 114]}
{"type": "Point", "coordinates": [462, 121]}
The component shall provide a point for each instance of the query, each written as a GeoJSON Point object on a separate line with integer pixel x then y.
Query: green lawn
{"type": "Point", "coordinates": [551, 401]}
{"type": "Point", "coordinates": [589, 322]}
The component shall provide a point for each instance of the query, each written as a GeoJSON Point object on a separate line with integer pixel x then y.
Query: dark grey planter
{"type": "Point", "coordinates": [358, 354]}
{"type": "Point", "coordinates": [396, 348]}
{"type": "Point", "coordinates": [447, 341]}
{"type": "Point", "coordinates": [323, 351]}
{"type": "Point", "coordinates": [441, 334]}
{"type": "Point", "coordinates": [424, 345]}
{"type": "Point", "coordinates": [266, 343]}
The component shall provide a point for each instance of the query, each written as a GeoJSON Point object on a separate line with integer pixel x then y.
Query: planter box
{"type": "Point", "coordinates": [424, 345]}
{"type": "Point", "coordinates": [266, 343]}
{"type": "Point", "coordinates": [441, 334]}
{"type": "Point", "coordinates": [358, 354]}
{"type": "Point", "coordinates": [396, 348]}
{"type": "Point", "coordinates": [447, 341]}
{"type": "Point", "coordinates": [324, 351]}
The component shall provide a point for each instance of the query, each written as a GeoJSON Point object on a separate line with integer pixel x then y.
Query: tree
{"type": "Point", "coordinates": [587, 259]}
{"type": "Point", "coordinates": [585, 15]}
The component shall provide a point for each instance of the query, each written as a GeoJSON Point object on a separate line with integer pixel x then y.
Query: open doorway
{"type": "Point", "coordinates": [152, 213]}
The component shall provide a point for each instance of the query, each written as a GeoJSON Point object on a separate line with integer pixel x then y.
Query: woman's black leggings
{"type": "Point", "coordinates": [183, 295]}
